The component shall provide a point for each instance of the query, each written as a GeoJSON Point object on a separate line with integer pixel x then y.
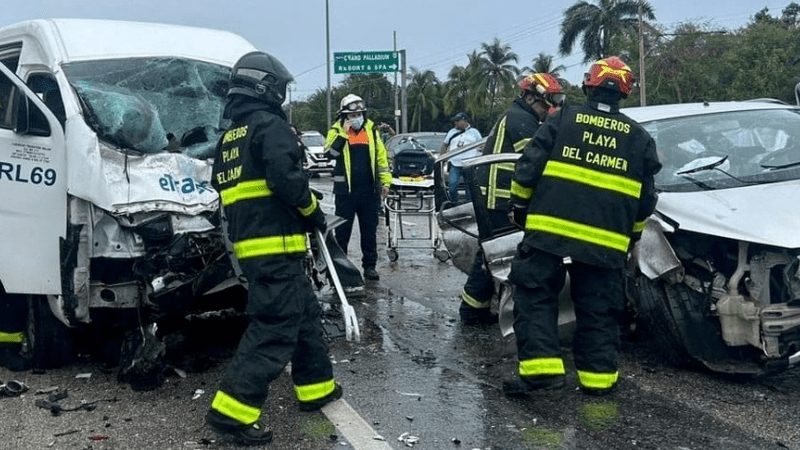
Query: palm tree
{"type": "Point", "coordinates": [598, 24]}
{"type": "Point", "coordinates": [423, 96]}
{"type": "Point", "coordinates": [496, 71]}
{"type": "Point", "coordinates": [543, 63]}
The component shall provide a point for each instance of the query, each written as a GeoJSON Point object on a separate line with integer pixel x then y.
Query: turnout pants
{"type": "Point", "coordinates": [284, 326]}
{"type": "Point", "coordinates": [13, 318]}
{"type": "Point", "coordinates": [598, 297]}
{"type": "Point", "coordinates": [365, 206]}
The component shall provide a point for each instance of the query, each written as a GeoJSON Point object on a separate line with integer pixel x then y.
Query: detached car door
{"type": "Point", "coordinates": [33, 205]}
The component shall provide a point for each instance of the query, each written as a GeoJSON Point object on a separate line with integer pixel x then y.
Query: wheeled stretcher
{"type": "Point", "coordinates": [410, 207]}
{"type": "Point", "coordinates": [410, 217]}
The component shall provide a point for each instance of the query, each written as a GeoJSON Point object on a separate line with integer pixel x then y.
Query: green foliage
{"type": "Point", "coordinates": [692, 62]}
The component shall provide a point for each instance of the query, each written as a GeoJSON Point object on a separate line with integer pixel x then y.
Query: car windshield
{"type": "Point", "coordinates": [717, 151]}
{"type": "Point", "coordinates": [153, 105]}
{"type": "Point", "coordinates": [429, 142]}
{"type": "Point", "coordinates": [313, 140]}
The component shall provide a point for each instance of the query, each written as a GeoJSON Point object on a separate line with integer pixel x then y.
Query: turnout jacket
{"type": "Point", "coordinates": [587, 181]}
{"type": "Point", "coordinates": [510, 135]}
{"type": "Point", "coordinates": [258, 173]}
{"type": "Point", "coordinates": [337, 146]}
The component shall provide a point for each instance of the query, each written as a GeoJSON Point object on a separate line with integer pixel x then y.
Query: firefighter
{"type": "Point", "coordinates": [258, 172]}
{"type": "Point", "coordinates": [361, 177]}
{"type": "Point", "coordinates": [581, 190]}
{"type": "Point", "coordinates": [540, 94]}
{"type": "Point", "coordinates": [13, 320]}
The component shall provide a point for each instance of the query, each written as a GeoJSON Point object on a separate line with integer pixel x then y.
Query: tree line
{"type": "Point", "coordinates": [693, 62]}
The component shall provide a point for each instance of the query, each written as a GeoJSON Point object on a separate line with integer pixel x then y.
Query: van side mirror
{"type": "Point", "coordinates": [30, 119]}
{"type": "Point", "coordinates": [23, 119]}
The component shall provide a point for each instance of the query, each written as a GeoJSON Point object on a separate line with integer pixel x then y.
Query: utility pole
{"type": "Point", "coordinates": [642, 90]}
{"type": "Point", "coordinates": [396, 109]}
{"type": "Point", "coordinates": [404, 94]}
{"type": "Point", "coordinates": [328, 59]}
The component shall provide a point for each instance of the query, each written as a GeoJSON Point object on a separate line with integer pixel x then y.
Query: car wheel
{"type": "Point", "coordinates": [657, 321]}
{"type": "Point", "coordinates": [48, 342]}
{"type": "Point", "coordinates": [677, 316]}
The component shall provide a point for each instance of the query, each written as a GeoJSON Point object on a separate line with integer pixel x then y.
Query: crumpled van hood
{"type": "Point", "coordinates": [762, 214]}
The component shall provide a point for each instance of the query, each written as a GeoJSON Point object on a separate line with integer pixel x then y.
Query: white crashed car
{"type": "Point", "coordinates": [717, 271]}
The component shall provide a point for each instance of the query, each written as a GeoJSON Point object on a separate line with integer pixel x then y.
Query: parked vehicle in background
{"type": "Point", "coordinates": [109, 222]}
{"type": "Point", "coordinates": [426, 140]}
{"type": "Point", "coordinates": [317, 160]}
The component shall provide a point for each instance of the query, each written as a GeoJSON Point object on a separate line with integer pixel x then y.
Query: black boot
{"type": "Point", "coordinates": [523, 387]}
{"type": "Point", "coordinates": [11, 359]}
{"type": "Point", "coordinates": [371, 274]}
{"type": "Point", "coordinates": [475, 316]}
{"type": "Point", "coordinates": [248, 435]}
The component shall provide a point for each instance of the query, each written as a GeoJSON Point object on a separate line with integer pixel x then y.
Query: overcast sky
{"type": "Point", "coordinates": [435, 34]}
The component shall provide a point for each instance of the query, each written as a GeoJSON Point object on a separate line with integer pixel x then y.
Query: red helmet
{"type": "Point", "coordinates": [544, 86]}
{"type": "Point", "coordinates": [610, 73]}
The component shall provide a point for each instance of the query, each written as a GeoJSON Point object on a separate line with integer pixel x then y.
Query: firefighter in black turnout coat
{"type": "Point", "coordinates": [269, 207]}
{"type": "Point", "coordinates": [540, 94]}
{"type": "Point", "coordinates": [582, 190]}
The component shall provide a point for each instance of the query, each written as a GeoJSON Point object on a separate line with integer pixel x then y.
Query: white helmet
{"type": "Point", "coordinates": [352, 103]}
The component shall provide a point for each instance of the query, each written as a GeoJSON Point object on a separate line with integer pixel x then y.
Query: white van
{"type": "Point", "coordinates": [107, 130]}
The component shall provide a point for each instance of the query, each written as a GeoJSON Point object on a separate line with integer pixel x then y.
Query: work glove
{"type": "Point", "coordinates": [517, 214]}
{"type": "Point", "coordinates": [316, 221]}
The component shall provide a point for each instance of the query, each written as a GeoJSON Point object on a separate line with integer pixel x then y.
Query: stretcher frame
{"type": "Point", "coordinates": [410, 197]}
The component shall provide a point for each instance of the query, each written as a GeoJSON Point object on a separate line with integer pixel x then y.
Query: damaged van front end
{"type": "Point", "coordinates": [127, 236]}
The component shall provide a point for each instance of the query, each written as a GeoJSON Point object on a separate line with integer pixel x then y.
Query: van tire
{"type": "Point", "coordinates": [48, 342]}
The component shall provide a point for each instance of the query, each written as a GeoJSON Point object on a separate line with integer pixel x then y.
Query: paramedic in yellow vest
{"type": "Point", "coordinates": [540, 94]}
{"type": "Point", "coordinates": [360, 179]}
{"type": "Point", "coordinates": [258, 172]}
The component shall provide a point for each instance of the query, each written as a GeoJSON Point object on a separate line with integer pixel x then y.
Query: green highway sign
{"type": "Point", "coordinates": [365, 62]}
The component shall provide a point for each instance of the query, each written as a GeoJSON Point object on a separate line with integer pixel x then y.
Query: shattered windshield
{"type": "Point", "coordinates": [153, 105]}
{"type": "Point", "coordinates": [758, 146]}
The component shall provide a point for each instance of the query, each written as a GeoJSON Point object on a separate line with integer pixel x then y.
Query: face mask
{"type": "Point", "coordinates": [356, 123]}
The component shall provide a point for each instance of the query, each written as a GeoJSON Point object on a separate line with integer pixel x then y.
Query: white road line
{"type": "Point", "coordinates": [354, 428]}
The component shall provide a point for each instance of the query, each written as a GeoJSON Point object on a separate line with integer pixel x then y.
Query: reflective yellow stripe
{"type": "Point", "coordinates": [311, 392]}
{"type": "Point", "coordinates": [509, 166]}
{"type": "Point", "coordinates": [11, 338]}
{"type": "Point", "coordinates": [520, 144]}
{"type": "Point", "coordinates": [521, 191]}
{"type": "Point", "coordinates": [541, 366]}
{"type": "Point", "coordinates": [638, 227]}
{"type": "Point", "coordinates": [307, 211]}
{"type": "Point", "coordinates": [578, 231]}
{"type": "Point", "coordinates": [244, 191]}
{"type": "Point", "coordinates": [474, 302]}
{"type": "Point", "coordinates": [592, 177]}
{"type": "Point", "coordinates": [273, 245]}
{"type": "Point", "coordinates": [498, 148]}
{"type": "Point", "coordinates": [593, 380]}
{"type": "Point", "coordinates": [236, 410]}
{"type": "Point", "coordinates": [502, 193]}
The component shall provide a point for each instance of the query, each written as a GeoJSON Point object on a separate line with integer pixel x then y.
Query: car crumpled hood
{"type": "Point", "coordinates": [763, 214]}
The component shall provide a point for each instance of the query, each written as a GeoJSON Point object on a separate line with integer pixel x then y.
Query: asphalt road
{"type": "Point", "coordinates": [417, 378]}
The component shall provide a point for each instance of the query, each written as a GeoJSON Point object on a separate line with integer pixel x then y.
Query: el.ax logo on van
{"type": "Point", "coordinates": [184, 186]}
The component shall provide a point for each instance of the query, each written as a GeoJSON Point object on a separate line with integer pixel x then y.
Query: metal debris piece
{"type": "Point", "coordinates": [84, 375]}
{"type": "Point", "coordinates": [198, 393]}
{"type": "Point", "coordinates": [408, 439]}
{"type": "Point", "coordinates": [378, 438]}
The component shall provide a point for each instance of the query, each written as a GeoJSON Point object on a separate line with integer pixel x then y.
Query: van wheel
{"type": "Point", "coordinates": [48, 342]}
